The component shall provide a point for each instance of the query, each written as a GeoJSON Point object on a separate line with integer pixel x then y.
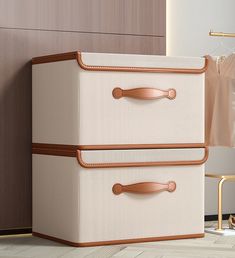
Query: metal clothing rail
{"type": "Point", "coordinates": [222, 178]}
{"type": "Point", "coordinates": [221, 34]}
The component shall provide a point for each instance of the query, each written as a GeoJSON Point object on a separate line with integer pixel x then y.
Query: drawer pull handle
{"type": "Point", "coordinates": [144, 93]}
{"type": "Point", "coordinates": [144, 188]}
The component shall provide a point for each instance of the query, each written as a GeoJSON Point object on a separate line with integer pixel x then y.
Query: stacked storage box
{"type": "Point", "coordinates": [118, 148]}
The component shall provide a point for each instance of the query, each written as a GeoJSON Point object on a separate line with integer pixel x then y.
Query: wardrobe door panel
{"type": "Point", "coordinates": [103, 16]}
{"type": "Point", "coordinates": [17, 47]}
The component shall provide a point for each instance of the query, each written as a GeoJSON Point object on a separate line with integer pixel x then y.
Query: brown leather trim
{"type": "Point", "coordinates": [54, 58]}
{"type": "Point", "coordinates": [55, 149]}
{"type": "Point", "coordinates": [78, 56]}
{"type": "Point", "coordinates": [71, 150]}
{"type": "Point", "coordinates": [139, 69]}
{"type": "Point", "coordinates": [75, 151]}
{"type": "Point", "coordinates": [141, 146]}
{"type": "Point", "coordinates": [121, 241]}
{"type": "Point", "coordinates": [142, 164]}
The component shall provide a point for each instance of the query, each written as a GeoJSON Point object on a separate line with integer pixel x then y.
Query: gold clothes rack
{"type": "Point", "coordinates": [222, 178]}
{"type": "Point", "coordinates": [221, 34]}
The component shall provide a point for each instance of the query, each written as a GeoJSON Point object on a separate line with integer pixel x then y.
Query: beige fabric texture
{"type": "Point", "coordinates": [220, 101]}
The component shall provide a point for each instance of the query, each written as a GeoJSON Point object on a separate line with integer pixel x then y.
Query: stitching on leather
{"type": "Point", "coordinates": [140, 69]}
{"type": "Point", "coordinates": [141, 164]}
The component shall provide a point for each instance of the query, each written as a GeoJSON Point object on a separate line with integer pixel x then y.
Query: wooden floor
{"type": "Point", "coordinates": [212, 246]}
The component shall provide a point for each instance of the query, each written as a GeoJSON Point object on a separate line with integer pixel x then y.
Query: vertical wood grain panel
{"type": "Point", "coordinates": [17, 47]}
{"type": "Point", "coordinates": [31, 28]}
{"type": "Point", "coordinates": [142, 17]}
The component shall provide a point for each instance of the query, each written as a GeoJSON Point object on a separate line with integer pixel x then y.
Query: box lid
{"type": "Point", "coordinates": [129, 62]}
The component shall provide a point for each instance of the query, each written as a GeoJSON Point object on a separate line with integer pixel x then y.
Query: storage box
{"type": "Point", "coordinates": [118, 148]}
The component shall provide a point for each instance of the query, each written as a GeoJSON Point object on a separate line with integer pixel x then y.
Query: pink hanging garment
{"type": "Point", "coordinates": [220, 101]}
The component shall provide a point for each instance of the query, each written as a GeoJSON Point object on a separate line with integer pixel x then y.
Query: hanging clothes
{"type": "Point", "coordinates": [220, 101]}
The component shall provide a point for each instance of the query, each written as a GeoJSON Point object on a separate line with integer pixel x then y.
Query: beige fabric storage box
{"type": "Point", "coordinates": [118, 148]}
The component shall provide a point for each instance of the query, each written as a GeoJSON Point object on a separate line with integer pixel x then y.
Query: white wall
{"type": "Point", "coordinates": [188, 25]}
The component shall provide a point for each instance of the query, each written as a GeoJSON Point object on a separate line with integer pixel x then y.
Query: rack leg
{"type": "Point", "coordinates": [220, 186]}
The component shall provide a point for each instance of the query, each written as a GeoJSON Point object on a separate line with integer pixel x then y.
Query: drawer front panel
{"type": "Point", "coordinates": [140, 108]}
{"type": "Point", "coordinates": [108, 216]}
{"type": "Point", "coordinates": [153, 202]}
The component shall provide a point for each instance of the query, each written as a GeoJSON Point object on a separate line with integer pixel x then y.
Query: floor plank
{"type": "Point", "coordinates": [211, 246]}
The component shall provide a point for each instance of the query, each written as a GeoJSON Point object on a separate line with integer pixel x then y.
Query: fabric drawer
{"type": "Point", "coordinates": [80, 102]}
{"type": "Point", "coordinates": [84, 207]}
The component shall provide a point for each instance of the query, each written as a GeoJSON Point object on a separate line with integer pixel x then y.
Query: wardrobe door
{"type": "Point", "coordinates": [45, 34]}
{"type": "Point", "coordinates": [135, 17]}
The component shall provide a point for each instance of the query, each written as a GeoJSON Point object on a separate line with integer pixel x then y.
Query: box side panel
{"type": "Point", "coordinates": [55, 100]}
{"type": "Point", "coordinates": [56, 196]}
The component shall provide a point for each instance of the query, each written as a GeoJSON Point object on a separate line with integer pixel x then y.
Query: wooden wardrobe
{"type": "Point", "coordinates": [31, 28]}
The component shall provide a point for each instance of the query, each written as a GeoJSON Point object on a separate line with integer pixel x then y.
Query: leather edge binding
{"type": "Point", "coordinates": [54, 58]}
{"type": "Point", "coordinates": [75, 151]}
{"type": "Point", "coordinates": [78, 56]}
{"type": "Point", "coordinates": [54, 149]}
{"type": "Point", "coordinates": [63, 149]}
{"type": "Point", "coordinates": [142, 146]}
{"type": "Point", "coordinates": [142, 164]}
{"type": "Point", "coordinates": [140, 69]}
{"type": "Point", "coordinates": [121, 241]}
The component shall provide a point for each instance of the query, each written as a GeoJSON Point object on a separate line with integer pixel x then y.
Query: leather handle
{"type": "Point", "coordinates": [144, 93]}
{"type": "Point", "coordinates": [144, 188]}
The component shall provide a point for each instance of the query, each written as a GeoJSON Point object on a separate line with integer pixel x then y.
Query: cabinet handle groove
{"type": "Point", "coordinates": [144, 93]}
{"type": "Point", "coordinates": [144, 188]}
